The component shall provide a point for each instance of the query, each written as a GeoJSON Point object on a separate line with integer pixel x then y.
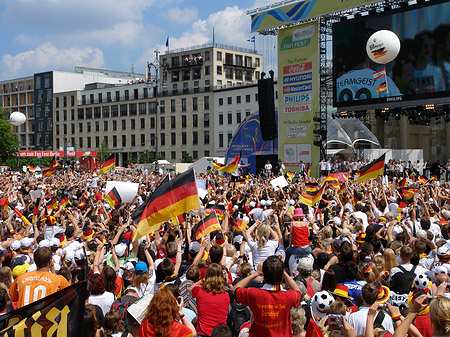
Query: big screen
{"type": "Point", "coordinates": [421, 70]}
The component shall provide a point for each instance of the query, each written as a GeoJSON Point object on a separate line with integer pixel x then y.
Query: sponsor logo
{"type": "Point", "coordinates": [297, 68]}
{"type": "Point", "coordinates": [301, 128]}
{"type": "Point", "coordinates": [297, 88]}
{"type": "Point", "coordinates": [304, 33]}
{"type": "Point", "coordinates": [296, 135]}
{"type": "Point", "coordinates": [297, 78]}
{"type": "Point", "coordinates": [297, 98]}
{"type": "Point", "coordinates": [297, 108]}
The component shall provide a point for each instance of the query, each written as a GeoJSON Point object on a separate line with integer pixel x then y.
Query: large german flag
{"type": "Point", "coordinates": [331, 177]}
{"type": "Point", "coordinates": [206, 226]}
{"type": "Point", "coordinates": [312, 187]}
{"type": "Point", "coordinates": [219, 209]}
{"type": "Point", "coordinates": [64, 202]}
{"type": "Point", "coordinates": [53, 204]}
{"type": "Point", "coordinates": [231, 167]}
{"type": "Point", "coordinates": [402, 183]}
{"type": "Point", "coordinates": [312, 198]}
{"type": "Point", "coordinates": [48, 172]}
{"type": "Point", "coordinates": [404, 203]}
{"type": "Point", "coordinates": [113, 198]}
{"type": "Point", "coordinates": [408, 192]}
{"type": "Point", "coordinates": [171, 198]}
{"type": "Point", "coordinates": [53, 163]}
{"type": "Point", "coordinates": [20, 215]}
{"type": "Point", "coordinates": [108, 164]}
{"type": "Point", "coordinates": [372, 170]}
{"type": "Point", "coordinates": [422, 180]}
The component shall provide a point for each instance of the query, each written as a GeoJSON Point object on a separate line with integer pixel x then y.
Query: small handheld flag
{"type": "Point", "coordinates": [108, 164]}
{"type": "Point", "coordinates": [252, 39]}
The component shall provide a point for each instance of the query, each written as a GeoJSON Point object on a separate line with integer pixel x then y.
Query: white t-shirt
{"type": "Point", "coordinates": [358, 321]}
{"type": "Point", "coordinates": [104, 301]}
{"type": "Point", "coordinates": [408, 267]}
{"type": "Point", "coordinates": [259, 255]}
{"type": "Point", "coordinates": [363, 217]}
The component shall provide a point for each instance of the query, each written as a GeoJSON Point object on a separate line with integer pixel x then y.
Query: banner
{"type": "Point", "coordinates": [57, 153]}
{"type": "Point", "coordinates": [127, 190]}
{"type": "Point", "coordinates": [298, 99]}
{"type": "Point", "coordinates": [57, 315]}
{"type": "Point", "coordinates": [300, 11]}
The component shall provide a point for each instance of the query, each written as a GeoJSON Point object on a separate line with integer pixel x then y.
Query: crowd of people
{"type": "Point", "coordinates": [360, 262]}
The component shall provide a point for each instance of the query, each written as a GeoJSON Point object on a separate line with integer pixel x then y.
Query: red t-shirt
{"type": "Point", "coordinates": [423, 324]}
{"type": "Point", "coordinates": [212, 309]}
{"type": "Point", "coordinates": [300, 233]}
{"type": "Point", "coordinates": [176, 330]}
{"type": "Point", "coordinates": [271, 310]}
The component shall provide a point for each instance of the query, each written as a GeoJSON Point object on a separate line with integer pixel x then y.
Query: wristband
{"type": "Point", "coordinates": [12, 231]}
{"type": "Point", "coordinates": [395, 318]}
{"type": "Point", "coordinates": [181, 316]}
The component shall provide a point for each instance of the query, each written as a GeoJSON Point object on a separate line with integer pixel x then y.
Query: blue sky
{"type": "Point", "coordinates": [42, 35]}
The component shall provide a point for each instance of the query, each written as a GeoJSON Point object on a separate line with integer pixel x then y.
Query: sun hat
{"type": "Point", "coordinates": [298, 212]}
{"type": "Point", "coordinates": [88, 232]}
{"type": "Point", "coordinates": [342, 291]}
{"type": "Point", "coordinates": [383, 292]}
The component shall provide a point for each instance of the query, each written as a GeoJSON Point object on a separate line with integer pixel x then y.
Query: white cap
{"type": "Point", "coordinates": [262, 203]}
{"type": "Point", "coordinates": [421, 233]}
{"type": "Point", "coordinates": [443, 251]}
{"type": "Point", "coordinates": [55, 242]}
{"type": "Point", "coordinates": [128, 266]}
{"type": "Point", "coordinates": [15, 245]}
{"type": "Point", "coordinates": [44, 243]}
{"type": "Point", "coordinates": [440, 270]}
{"type": "Point", "coordinates": [26, 242]}
{"type": "Point", "coordinates": [392, 199]}
{"type": "Point", "coordinates": [269, 202]}
{"type": "Point", "coordinates": [291, 202]}
{"type": "Point", "coordinates": [252, 204]}
{"type": "Point", "coordinates": [238, 238]}
{"type": "Point", "coordinates": [120, 249]}
{"type": "Point", "coordinates": [305, 264]}
{"type": "Point", "coordinates": [194, 246]}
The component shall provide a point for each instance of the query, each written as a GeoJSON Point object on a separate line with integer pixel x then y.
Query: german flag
{"type": "Point", "coordinates": [171, 197]}
{"type": "Point", "coordinates": [331, 177]}
{"type": "Point", "coordinates": [20, 215]}
{"type": "Point", "coordinates": [206, 226]}
{"type": "Point", "coordinates": [53, 162]}
{"type": "Point", "coordinates": [443, 221]}
{"type": "Point", "coordinates": [312, 198]}
{"type": "Point", "coordinates": [113, 198]}
{"type": "Point", "coordinates": [372, 170]}
{"type": "Point", "coordinates": [52, 204]}
{"type": "Point", "coordinates": [241, 224]}
{"type": "Point", "coordinates": [404, 203]}
{"type": "Point", "coordinates": [64, 202]}
{"type": "Point", "coordinates": [179, 219]}
{"type": "Point", "coordinates": [219, 209]}
{"type": "Point", "coordinates": [4, 202]}
{"type": "Point", "coordinates": [343, 176]}
{"type": "Point", "coordinates": [48, 172]}
{"type": "Point", "coordinates": [290, 174]}
{"type": "Point", "coordinates": [402, 183]}
{"type": "Point", "coordinates": [382, 87]}
{"type": "Point", "coordinates": [342, 189]}
{"type": "Point", "coordinates": [312, 187]}
{"type": "Point", "coordinates": [334, 184]}
{"type": "Point", "coordinates": [230, 168]}
{"type": "Point", "coordinates": [108, 164]}
{"type": "Point", "coordinates": [422, 180]}
{"type": "Point", "coordinates": [82, 204]}
{"type": "Point", "coordinates": [408, 192]}
{"type": "Point", "coordinates": [354, 199]}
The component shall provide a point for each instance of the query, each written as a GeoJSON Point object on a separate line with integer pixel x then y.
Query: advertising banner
{"type": "Point", "coordinates": [298, 101]}
{"type": "Point", "coordinates": [58, 153]}
{"type": "Point", "coordinates": [301, 10]}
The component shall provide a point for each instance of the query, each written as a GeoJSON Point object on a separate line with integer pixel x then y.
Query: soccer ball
{"type": "Point", "coordinates": [421, 281]}
{"type": "Point", "coordinates": [322, 300]}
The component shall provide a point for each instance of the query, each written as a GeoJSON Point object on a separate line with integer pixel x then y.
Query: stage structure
{"type": "Point", "coordinates": [276, 18]}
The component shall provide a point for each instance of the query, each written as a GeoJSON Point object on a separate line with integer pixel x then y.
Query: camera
{"type": "Point", "coordinates": [334, 319]}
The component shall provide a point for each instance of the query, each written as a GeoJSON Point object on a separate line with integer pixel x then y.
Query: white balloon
{"type": "Point", "coordinates": [383, 46]}
{"type": "Point", "coordinates": [17, 118]}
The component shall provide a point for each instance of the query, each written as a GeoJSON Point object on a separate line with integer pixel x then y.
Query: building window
{"type": "Point", "coordinates": [172, 105]}
{"type": "Point", "coordinates": [117, 96]}
{"type": "Point", "coordinates": [124, 124]}
{"type": "Point", "coordinates": [105, 125]}
{"type": "Point", "coordinates": [206, 103]}
{"type": "Point", "coordinates": [194, 103]}
{"type": "Point", "coordinates": [248, 75]}
{"type": "Point", "coordinates": [247, 113]}
{"type": "Point", "coordinates": [228, 73]}
{"type": "Point", "coordinates": [132, 124]}
{"type": "Point", "coordinates": [230, 100]}
{"type": "Point", "coordinates": [133, 108]}
{"type": "Point", "coordinates": [221, 119]}
{"type": "Point", "coordinates": [256, 97]}
{"type": "Point", "coordinates": [108, 97]}
{"type": "Point", "coordinates": [142, 109]}
{"type": "Point", "coordinates": [185, 88]}
{"type": "Point", "coordinates": [219, 70]}
{"type": "Point", "coordinates": [207, 70]}
{"type": "Point", "coordinates": [152, 139]}
{"type": "Point", "coordinates": [219, 56]}
{"type": "Point", "coordinates": [183, 104]}
{"type": "Point", "coordinates": [142, 139]}
{"type": "Point", "coordinates": [174, 89]}
{"type": "Point", "coordinates": [97, 113]}
{"type": "Point", "coordinates": [173, 155]}
{"type": "Point", "coordinates": [173, 138]}
{"type": "Point", "coordinates": [220, 139]}
{"type": "Point", "coordinates": [114, 126]}
{"type": "Point", "coordinates": [89, 142]}
{"type": "Point", "coordinates": [114, 142]}
{"type": "Point", "coordinates": [175, 76]}
{"type": "Point", "coordinates": [230, 136]}
{"type": "Point", "coordinates": [105, 109]}
{"type": "Point", "coordinates": [97, 141]}
{"type": "Point", "coordinates": [163, 139]}
{"type": "Point", "coordinates": [183, 138]}
{"type": "Point", "coordinates": [136, 93]}
{"type": "Point", "coordinates": [230, 118]}
{"type": "Point", "coordinates": [194, 137]}
{"type": "Point", "coordinates": [57, 102]}
{"type": "Point", "coordinates": [238, 75]}
{"type": "Point", "coordinates": [123, 110]}
{"type": "Point", "coordinates": [195, 121]}
{"type": "Point", "coordinates": [97, 126]}
{"type": "Point", "coordinates": [163, 123]}
{"type": "Point", "coordinates": [206, 120]}
{"type": "Point", "coordinates": [152, 107]}
{"type": "Point", "coordinates": [114, 110]}
{"type": "Point", "coordinates": [221, 101]}
{"type": "Point", "coordinates": [257, 63]}
{"type": "Point", "coordinates": [183, 121]}
{"type": "Point", "coordinates": [105, 139]}
{"type": "Point", "coordinates": [80, 142]}
{"type": "Point", "coordinates": [152, 123]}
{"type": "Point", "coordinates": [162, 106]}
{"type": "Point", "coordinates": [133, 140]}
{"type": "Point", "coordinates": [173, 123]}
{"type": "Point", "coordinates": [142, 123]}
{"type": "Point", "coordinates": [80, 127]}
{"type": "Point", "coordinates": [247, 98]}
{"type": "Point", "coordinates": [127, 95]}
{"type": "Point", "coordinates": [206, 137]}
{"type": "Point", "coordinates": [238, 117]}
{"type": "Point", "coordinates": [100, 97]}
{"type": "Point", "coordinates": [207, 85]}
{"type": "Point", "coordinates": [124, 140]}
{"type": "Point", "coordinates": [207, 56]}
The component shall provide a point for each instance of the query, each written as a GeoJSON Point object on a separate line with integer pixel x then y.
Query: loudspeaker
{"type": "Point", "coordinates": [266, 103]}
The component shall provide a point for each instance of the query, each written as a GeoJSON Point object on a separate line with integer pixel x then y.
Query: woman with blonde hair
{"type": "Point", "coordinates": [368, 272]}
{"type": "Point", "coordinates": [162, 317]}
{"type": "Point", "coordinates": [212, 300]}
{"type": "Point", "coordinates": [390, 260]}
{"type": "Point", "coordinates": [298, 321]}
{"type": "Point", "coordinates": [265, 243]}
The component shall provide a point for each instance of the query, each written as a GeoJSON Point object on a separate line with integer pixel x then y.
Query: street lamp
{"type": "Point", "coordinates": [156, 84]}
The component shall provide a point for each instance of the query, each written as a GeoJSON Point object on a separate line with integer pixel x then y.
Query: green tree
{"type": "Point", "coordinates": [9, 141]}
{"type": "Point", "coordinates": [187, 158]}
{"type": "Point", "coordinates": [103, 152]}
{"type": "Point", "coordinates": [146, 157]}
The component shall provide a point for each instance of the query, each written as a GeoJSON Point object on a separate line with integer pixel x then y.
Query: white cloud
{"type": "Point", "coordinates": [182, 16]}
{"type": "Point", "coordinates": [48, 57]}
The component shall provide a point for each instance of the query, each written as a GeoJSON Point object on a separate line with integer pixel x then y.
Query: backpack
{"type": "Point", "coordinates": [402, 281]}
{"type": "Point", "coordinates": [122, 306]}
{"type": "Point", "coordinates": [238, 314]}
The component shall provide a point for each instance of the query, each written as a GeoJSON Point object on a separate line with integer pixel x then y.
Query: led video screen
{"type": "Point", "coordinates": [420, 71]}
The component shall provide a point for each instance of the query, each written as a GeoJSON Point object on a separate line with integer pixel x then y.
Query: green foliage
{"type": "Point", "coordinates": [9, 141]}
{"type": "Point", "coordinates": [146, 157]}
{"type": "Point", "coordinates": [103, 153]}
{"type": "Point", "coordinates": [130, 160]}
{"type": "Point", "coordinates": [187, 158]}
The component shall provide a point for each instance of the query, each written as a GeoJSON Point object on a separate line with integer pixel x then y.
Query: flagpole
{"type": "Point", "coordinates": [254, 44]}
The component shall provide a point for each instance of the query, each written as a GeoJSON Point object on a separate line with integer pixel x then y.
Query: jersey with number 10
{"type": "Point", "coordinates": [33, 286]}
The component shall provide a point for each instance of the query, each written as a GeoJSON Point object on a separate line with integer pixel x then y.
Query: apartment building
{"type": "Point", "coordinates": [179, 114]}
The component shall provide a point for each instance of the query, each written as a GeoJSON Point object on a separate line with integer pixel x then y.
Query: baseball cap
{"type": "Point", "coordinates": [140, 268]}
{"type": "Point", "coordinates": [120, 249]}
{"type": "Point", "coordinates": [443, 251]}
{"type": "Point", "coordinates": [26, 242]}
{"type": "Point", "coordinates": [305, 264]}
{"type": "Point", "coordinates": [194, 247]}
